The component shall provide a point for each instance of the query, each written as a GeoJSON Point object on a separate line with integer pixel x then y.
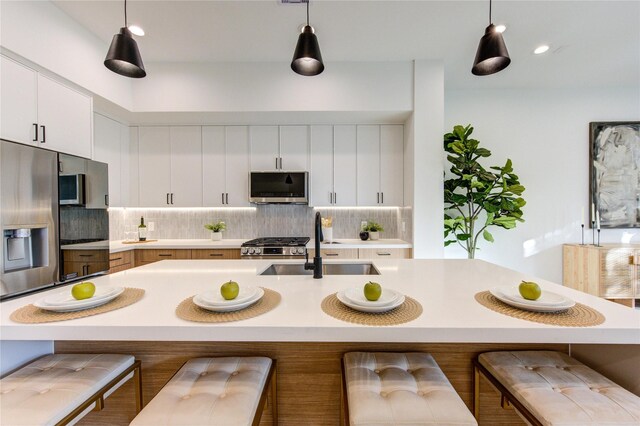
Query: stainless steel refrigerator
{"type": "Point", "coordinates": [37, 213]}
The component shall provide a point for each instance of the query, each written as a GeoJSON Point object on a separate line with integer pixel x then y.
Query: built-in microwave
{"type": "Point", "coordinates": [279, 187]}
{"type": "Point", "coordinates": [71, 189]}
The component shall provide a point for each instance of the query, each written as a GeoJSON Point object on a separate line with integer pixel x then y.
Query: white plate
{"type": "Point", "coordinates": [529, 306]}
{"type": "Point", "coordinates": [356, 296]}
{"type": "Point", "coordinates": [64, 298]}
{"type": "Point", "coordinates": [371, 309]}
{"type": "Point", "coordinates": [78, 305]}
{"type": "Point", "coordinates": [547, 298]}
{"type": "Point", "coordinates": [214, 298]}
{"type": "Point", "coordinates": [197, 299]}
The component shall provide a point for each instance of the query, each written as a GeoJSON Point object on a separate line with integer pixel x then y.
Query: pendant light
{"type": "Point", "coordinates": [123, 56]}
{"type": "Point", "coordinates": [307, 59]}
{"type": "Point", "coordinates": [492, 55]}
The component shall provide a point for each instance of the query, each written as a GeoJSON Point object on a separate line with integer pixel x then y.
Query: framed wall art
{"type": "Point", "coordinates": [615, 172]}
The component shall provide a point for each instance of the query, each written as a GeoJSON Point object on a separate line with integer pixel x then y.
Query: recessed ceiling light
{"type": "Point", "coordinates": [135, 29]}
{"type": "Point", "coordinates": [501, 28]}
{"type": "Point", "coordinates": [541, 49]}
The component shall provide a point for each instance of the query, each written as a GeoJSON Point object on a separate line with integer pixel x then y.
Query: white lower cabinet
{"type": "Point", "coordinates": [225, 160]}
{"type": "Point", "coordinates": [40, 111]}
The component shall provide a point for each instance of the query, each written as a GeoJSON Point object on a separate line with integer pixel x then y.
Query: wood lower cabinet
{"type": "Point", "coordinates": [339, 253]}
{"type": "Point", "coordinates": [609, 271]}
{"type": "Point", "coordinates": [84, 262]}
{"type": "Point", "coordinates": [146, 256]}
{"type": "Point", "coordinates": [390, 253]}
{"type": "Point", "coordinates": [120, 261]}
{"type": "Point", "coordinates": [215, 254]}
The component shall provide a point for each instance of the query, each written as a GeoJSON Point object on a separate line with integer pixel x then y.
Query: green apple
{"type": "Point", "coordinates": [230, 290]}
{"type": "Point", "coordinates": [372, 291]}
{"type": "Point", "coordinates": [83, 290]}
{"type": "Point", "coordinates": [530, 290]}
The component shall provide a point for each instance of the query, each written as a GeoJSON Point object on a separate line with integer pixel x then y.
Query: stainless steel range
{"type": "Point", "coordinates": [275, 247]}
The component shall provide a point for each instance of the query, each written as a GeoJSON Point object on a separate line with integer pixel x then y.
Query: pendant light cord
{"type": "Point", "coordinates": [125, 13]}
{"type": "Point", "coordinates": [489, 11]}
{"type": "Point", "coordinates": [307, 12]}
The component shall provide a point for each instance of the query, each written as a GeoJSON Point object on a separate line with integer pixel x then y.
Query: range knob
{"type": "Point", "coordinates": [244, 250]}
{"type": "Point", "coordinates": [298, 250]}
{"type": "Point", "coordinates": [258, 251]}
{"type": "Point", "coordinates": [251, 250]}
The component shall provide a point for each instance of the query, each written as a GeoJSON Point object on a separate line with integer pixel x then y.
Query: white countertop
{"type": "Point", "coordinates": [445, 288]}
{"type": "Point", "coordinates": [118, 246]}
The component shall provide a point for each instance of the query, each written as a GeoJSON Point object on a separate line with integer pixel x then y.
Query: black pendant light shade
{"type": "Point", "coordinates": [124, 57]}
{"type": "Point", "coordinates": [492, 55]}
{"type": "Point", "coordinates": [307, 59]}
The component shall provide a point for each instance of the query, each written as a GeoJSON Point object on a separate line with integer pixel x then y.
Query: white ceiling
{"type": "Point", "coordinates": [593, 43]}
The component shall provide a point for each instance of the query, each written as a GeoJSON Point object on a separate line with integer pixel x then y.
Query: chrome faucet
{"type": "Point", "coordinates": [316, 265]}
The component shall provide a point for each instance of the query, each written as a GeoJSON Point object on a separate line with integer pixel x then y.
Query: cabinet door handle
{"type": "Point", "coordinates": [115, 259]}
{"type": "Point", "coordinates": [167, 198]}
{"type": "Point", "coordinates": [44, 134]}
{"type": "Point", "coordinates": [226, 198]}
{"type": "Point", "coordinates": [382, 198]}
{"type": "Point", "coordinates": [335, 198]}
{"type": "Point", "coordinates": [35, 127]}
{"type": "Point", "coordinates": [165, 255]}
{"type": "Point", "coordinates": [222, 195]}
{"type": "Point", "coordinates": [172, 198]}
{"type": "Point", "coordinates": [378, 198]}
{"type": "Point", "coordinates": [216, 254]}
{"type": "Point", "coordinates": [331, 254]}
{"type": "Point", "coordinates": [384, 253]}
{"type": "Point", "coordinates": [276, 163]}
{"type": "Point", "coordinates": [106, 200]}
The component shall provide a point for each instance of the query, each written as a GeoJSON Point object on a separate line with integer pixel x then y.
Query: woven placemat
{"type": "Point", "coordinates": [187, 310]}
{"type": "Point", "coordinates": [31, 315]}
{"type": "Point", "coordinates": [577, 316]}
{"type": "Point", "coordinates": [408, 311]}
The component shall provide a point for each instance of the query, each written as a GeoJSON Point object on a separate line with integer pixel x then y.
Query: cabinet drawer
{"type": "Point", "coordinates": [121, 258]}
{"type": "Point", "coordinates": [215, 254]}
{"type": "Point", "coordinates": [85, 255]}
{"type": "Point", "coordinates": [120, 268]}
{"type": "Point", "coordinates": [339, 253]}
{"type": "Point", "coordinates": [383, 253]}
{"type": "Point", "coordinates": [84, 268]}
{"type": "Point", "coordinates": [154, 255]}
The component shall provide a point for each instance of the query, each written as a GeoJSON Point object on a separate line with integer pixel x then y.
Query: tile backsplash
{"type": "Point", "coordinates": [262, 221]}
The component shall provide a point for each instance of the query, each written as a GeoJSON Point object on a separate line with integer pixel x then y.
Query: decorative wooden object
{"type": "Point", "coordinates": [309, 380]}
{"type": "Point", "coordinates": [610, 271]}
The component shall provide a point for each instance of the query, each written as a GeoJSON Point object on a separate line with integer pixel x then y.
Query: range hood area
{"type": "Point", "coordinates": [279, 187]}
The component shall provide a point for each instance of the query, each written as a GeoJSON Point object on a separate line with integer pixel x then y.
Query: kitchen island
{"type": "Point", "coordinates": [307, 342]}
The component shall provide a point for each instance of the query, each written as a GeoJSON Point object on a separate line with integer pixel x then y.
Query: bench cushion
{"type": "Point", "coordinates": [45, 391]}
{"type": "Point", "coordinates": [401, 389]}
{"type": "Point", "coordinates": [560, 391]}
{"type": "Point", "coordinates": [209, 391]}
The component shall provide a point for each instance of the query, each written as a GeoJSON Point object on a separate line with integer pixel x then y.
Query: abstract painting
{"type": "Point", "coordinates": [615, 172]}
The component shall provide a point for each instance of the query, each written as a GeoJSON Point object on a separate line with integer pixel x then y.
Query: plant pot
{"type": "Point", "coordinates": [216, 236]}
{"type": "Point", "coordinates": [374, 235]}
{"type": "Point", "coordinates": [327, 233]}
{"type": "Point", "coordinates": [364, 235]}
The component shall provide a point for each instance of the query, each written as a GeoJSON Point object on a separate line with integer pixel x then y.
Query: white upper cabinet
{"type": "Point", "coordinates": [333, 165]}
{"type": "Point", "coordinates": [368, 138]}
{"type": "Point", "coordinates": [225, 166]}
{"type": "Point", "coordinates": [186, 166]}
{"type": "Point", "coordinates": [154, 166]}
{"type": "Point", "coordinates": [213, 166]}
{"type": "Point", "coordinates": [380, 165]}
{"type": "Point", "coordinates": [294, 148]}
{"type": "Point", "coordinates": [279, 148]}
{"type": "Point", "coordinates": [19, 102]}
{"type": "Point", "coordinates": [37, 110]}
{"type": "Point", "coordinates": [237, 166]}
{"type": "Point", "coordinates": [107, 148]}
{"type": "Point", "coordinates": [265, 152]}
{"type": "Point", "coordinates": [344, 166]}
{"type": "Point", "coordinates": [392, 165]}
{"type": "Point", "coordinates": [64, 118]}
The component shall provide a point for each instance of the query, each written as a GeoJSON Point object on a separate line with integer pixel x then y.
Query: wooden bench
{"type": "Point", "coordinates": [60, 388]}
{"type": "Point", "coordinates": [551, 388]}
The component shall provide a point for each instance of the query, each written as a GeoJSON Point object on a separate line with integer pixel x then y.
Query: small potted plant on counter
{"type": "Point", "coordinates": [374, 229]}
{"type": "Point", "coordinates": [216, 230]}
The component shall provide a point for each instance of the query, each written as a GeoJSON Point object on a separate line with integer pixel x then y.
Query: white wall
{"type": "Point", "coordinates": [546, 134]}
{"type": "Point", "coordinates": [43, 34]}
{"type": "Point", "coordinates": [270, 86]}
{"type": "Point", "coordinates": [15, 353]}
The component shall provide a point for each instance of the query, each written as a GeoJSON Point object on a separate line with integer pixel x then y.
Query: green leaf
{"type": "Point", "coordinates": [508, 167]}
{"type": "Point", "coordinates": [449, 242]}
{"type": "Point", "coordinates": [516, 189]}
{"type": "Point", "coordinates": [483, 152]}
{"type": "Point", "coordinates": [463, 237]}
{"type": "Point", "coordinates": [505, 222]}
{"type": "Point", "coordinates": [487, 236]}
{"type": "Point", "coordinates": [490, 217]}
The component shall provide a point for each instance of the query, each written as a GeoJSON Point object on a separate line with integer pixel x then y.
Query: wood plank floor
{"type": "Point", "coordinates": [308, 374]}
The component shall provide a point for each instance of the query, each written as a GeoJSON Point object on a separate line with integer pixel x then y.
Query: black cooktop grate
{"type": "Point", "coordinates": [277, 242]}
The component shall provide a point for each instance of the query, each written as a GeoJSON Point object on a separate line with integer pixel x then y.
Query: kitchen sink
{"type": "Point", "coordinates": [327, 269]}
